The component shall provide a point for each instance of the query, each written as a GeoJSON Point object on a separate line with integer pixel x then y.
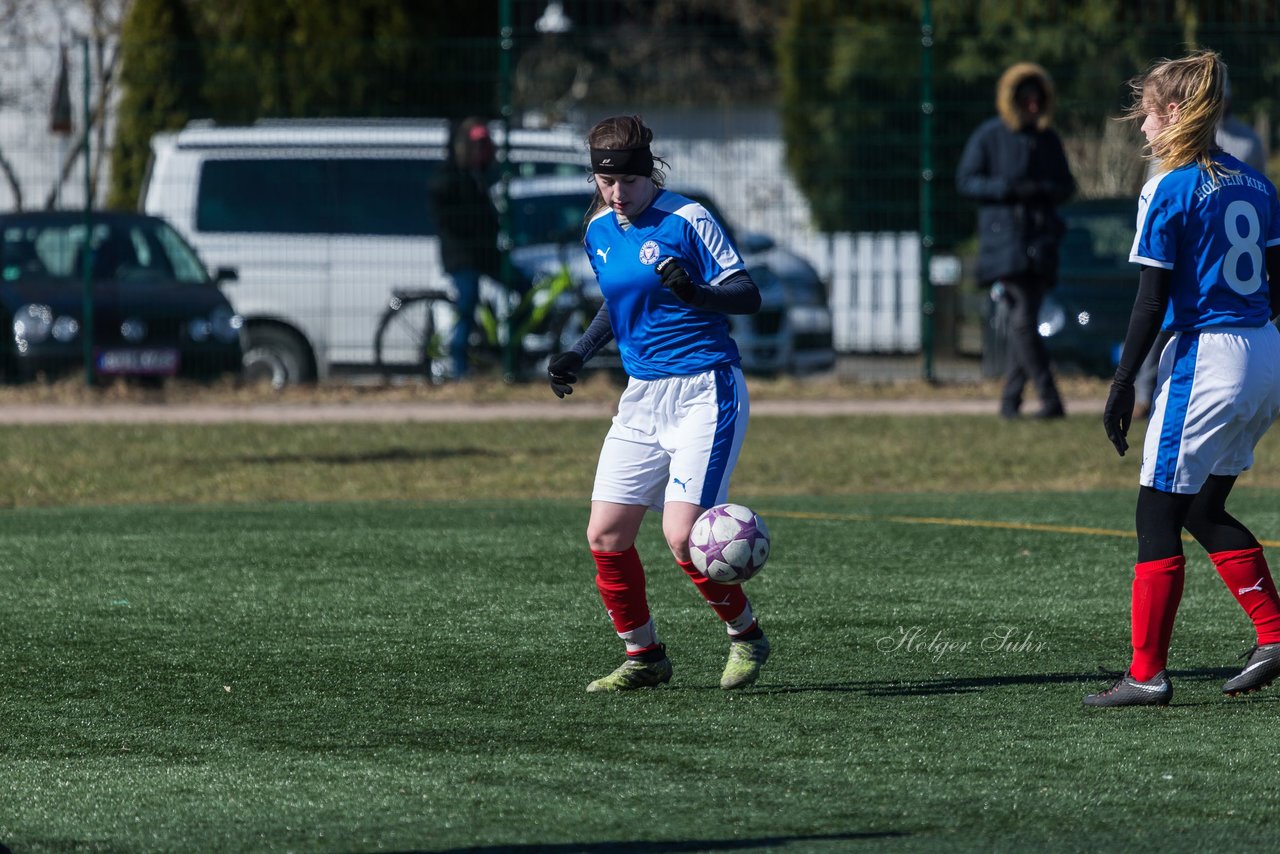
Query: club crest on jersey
{"type": "Point", "coordinates": [650, 252]}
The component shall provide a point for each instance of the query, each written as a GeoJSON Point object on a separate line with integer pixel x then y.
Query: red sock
{"type": "Point", "coordinates": [620, 580]}
{"type": "Point", "coordinates": [1157, 590]}
{"type": "Point", "coordinates": [1249, 580]}
{"type": "Point", "coordinates": [727, 600]}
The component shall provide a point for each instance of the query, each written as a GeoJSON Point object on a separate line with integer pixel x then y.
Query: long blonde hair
{"type": "Point", "coordinates": [1195, 83]}
{"type": "Point", "coordinates": [617, 132]}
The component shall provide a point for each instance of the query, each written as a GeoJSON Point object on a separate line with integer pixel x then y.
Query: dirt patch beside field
{"type": "Point", "coordinates": [70, 401]}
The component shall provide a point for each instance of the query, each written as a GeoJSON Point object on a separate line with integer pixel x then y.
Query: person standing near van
{"type": "Point", "coordinates": [468, 226]}
{"type": "Point", "coordinates": [1014, 166]}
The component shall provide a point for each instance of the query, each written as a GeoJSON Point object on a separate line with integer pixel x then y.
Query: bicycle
{"type": "Point", "coordinates": [414, 332]}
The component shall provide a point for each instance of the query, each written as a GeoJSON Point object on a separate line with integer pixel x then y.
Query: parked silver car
{"type": "Point", "coordinates": [791, 333]}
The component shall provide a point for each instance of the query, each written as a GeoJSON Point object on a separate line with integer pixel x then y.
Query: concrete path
{"type": "Point", "coordinates": [384, 412]}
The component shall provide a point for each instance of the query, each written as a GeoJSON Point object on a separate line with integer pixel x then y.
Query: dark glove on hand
{"type": "Point", "coordinates": [1117, 415]}
{"type": "Point", "coordinates": [1026, 189]}
{"type": "Point", "coordinates": [563, 372]}
{"type": "Point", "coordinates": [676, 280]}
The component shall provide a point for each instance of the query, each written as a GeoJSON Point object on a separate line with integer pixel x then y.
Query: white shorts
{"type": "Point", "coordinates": [674, 439]}
{"type": "Point", "coordinates": [1219, 392]}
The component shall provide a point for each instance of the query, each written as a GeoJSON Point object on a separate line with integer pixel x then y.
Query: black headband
{"type": "Point", "coordinates": [623, 161]}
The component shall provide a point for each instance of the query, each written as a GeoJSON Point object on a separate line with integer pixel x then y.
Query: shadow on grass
{"type": "Point", "coordinates": [967, 685]}
{"type": "Point", "coordinates": [647, 845]}
{"type": "Point", "coordinates": [389, 455]}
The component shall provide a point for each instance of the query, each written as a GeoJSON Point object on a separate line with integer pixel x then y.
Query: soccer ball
{"type": "Point", "coordinates": [729, 543]}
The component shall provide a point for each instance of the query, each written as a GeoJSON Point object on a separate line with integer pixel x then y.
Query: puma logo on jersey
{"type": "Point", "coordinates": [1244, 590]}
{"type": "Point", "coordinates": [683, 484]}
{"type": "Point", "coordinates": [604, 253]}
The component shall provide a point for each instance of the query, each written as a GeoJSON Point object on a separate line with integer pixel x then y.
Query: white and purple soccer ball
{"type": "Point", "coordinates": [729, 543]}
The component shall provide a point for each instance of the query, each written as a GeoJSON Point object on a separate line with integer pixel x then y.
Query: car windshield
{"type": "Point", "coordinates": [553, 218]}
{"type": "Point", "coordinates": [1098, 240]}
{"type": "Point", "coordinates": [141, 250]}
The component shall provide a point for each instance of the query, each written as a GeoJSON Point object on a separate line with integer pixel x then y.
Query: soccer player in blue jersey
{"type": "Point", "coordinates": [1208, 242]}
{"type": "Point", "coordinates": [669, 275]}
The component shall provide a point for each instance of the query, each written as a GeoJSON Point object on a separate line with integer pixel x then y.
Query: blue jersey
{"type": "Point", "coordinates": [1213, 235]}
{"type": "Point", "coordinates": [658, 335]}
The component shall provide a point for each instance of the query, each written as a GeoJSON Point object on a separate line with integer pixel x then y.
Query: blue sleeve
{"type": "Point", "coordinates": [1160, 221]}
{"type": "Point", "coordinates": [709, 251]}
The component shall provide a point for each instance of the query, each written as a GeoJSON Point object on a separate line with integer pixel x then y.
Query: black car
{"type": "Point", "coordinates": [156, 310]}
{"type": "Point", "coordinates": [1084, 318]}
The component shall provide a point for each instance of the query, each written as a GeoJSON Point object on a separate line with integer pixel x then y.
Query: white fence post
{"type": "Point", "coordinates": [875, 290]}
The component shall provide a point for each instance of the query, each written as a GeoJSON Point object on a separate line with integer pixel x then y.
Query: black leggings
{"type": "Point", "coordinates": [1161, 517]}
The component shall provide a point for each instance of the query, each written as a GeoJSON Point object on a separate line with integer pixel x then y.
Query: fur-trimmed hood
{"type": "Point", "coordinates": [1013, 118]}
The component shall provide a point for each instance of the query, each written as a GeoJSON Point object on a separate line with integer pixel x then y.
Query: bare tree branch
{"type": "Point", "coordinates": [104, 21]}
{"type": "Point", "coordinates": [15, 187]}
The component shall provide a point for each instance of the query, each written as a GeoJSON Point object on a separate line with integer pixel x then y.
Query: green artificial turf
{"type": "Point", "coordinates": [408, 676]}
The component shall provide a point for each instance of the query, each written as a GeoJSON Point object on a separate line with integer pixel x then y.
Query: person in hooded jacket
{"type": "Point", "coordinates": [1015, 167]}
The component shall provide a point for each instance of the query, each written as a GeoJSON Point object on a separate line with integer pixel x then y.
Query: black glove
{"type": "Point", "coordinates": [1029, 189]}
{"type": "Point", "coordinates": [563, 372]}
{"type": "Point", "coordinates": [676, 280]}
{"type": "Point", "coordinates": [1117, 415]}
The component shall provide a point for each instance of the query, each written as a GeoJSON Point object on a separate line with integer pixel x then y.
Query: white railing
{"type": "Point", "coordinates": [874, 281]}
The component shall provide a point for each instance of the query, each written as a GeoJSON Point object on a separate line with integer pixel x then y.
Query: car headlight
{"type": "Point", "coordinates": [32, 323]}
{"type": "Point", "coordinates": [200, 329]}
{"type": "Point", "coordinates": [65, 329]}
{"type": "Point", "coordinates": [226, 324]}
{"type": "Point", "coordinates": [1052, 318]}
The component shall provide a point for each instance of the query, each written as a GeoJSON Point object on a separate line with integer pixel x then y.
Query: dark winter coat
{"type": "Point", "coordinates": [1014, 166]}
{"type": "Point", "coordinates": [466, 220]}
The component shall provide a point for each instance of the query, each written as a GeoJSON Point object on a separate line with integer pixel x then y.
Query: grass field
{"type": "Point", "coordinates": [375, 638]}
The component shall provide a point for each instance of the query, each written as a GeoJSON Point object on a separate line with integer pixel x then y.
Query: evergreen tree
{"type": "Point", "coordinates": [161, 80]}
{"type": "Point", "coordinates": [358, 58]}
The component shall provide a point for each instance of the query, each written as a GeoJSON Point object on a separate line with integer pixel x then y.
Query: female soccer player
{"type": "Point", "coordinates": [669, 275]}
{"type": "Point", "coordinates": [1206, 222]}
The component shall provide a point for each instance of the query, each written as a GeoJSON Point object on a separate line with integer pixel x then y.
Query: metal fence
{"type": "Point", "coordinates": [312, 293]}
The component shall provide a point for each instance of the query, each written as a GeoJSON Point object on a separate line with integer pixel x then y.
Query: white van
{"type": "Point", "coordinates": [321, 219]}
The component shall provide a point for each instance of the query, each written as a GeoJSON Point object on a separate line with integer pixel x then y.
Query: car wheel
{"type": "Point", "coordinates": [276, 356]}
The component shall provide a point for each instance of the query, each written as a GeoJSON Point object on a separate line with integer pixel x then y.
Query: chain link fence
{"type": "Point", "coordinates": [814, 137]}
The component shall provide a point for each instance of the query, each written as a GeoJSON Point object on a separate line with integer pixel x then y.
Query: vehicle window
{"type": "Point", "coordinates": [132, 251]}
{"type": "Point", "coordinates": [262, 196]}
{"type": "Point", "coordinates": [177, 255]}
{"type": "Point", "coordinates": [548, 219]}
{"type": "Point", "coordinates": [314, 196]}
{"type": "Point", "coordinates": [530, 169]}
{"type": "Point", "coordinates": [387, 197]}
{"type": "Point", "coordinates": [1097, 241]}
{"type": "Point", "coordinates": [62, 248]}
{"type": "Point", "coordinates": [19, 256]}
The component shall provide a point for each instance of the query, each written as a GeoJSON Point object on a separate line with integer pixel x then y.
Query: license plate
{"type": "Point", "coordinates": [157, 362]}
